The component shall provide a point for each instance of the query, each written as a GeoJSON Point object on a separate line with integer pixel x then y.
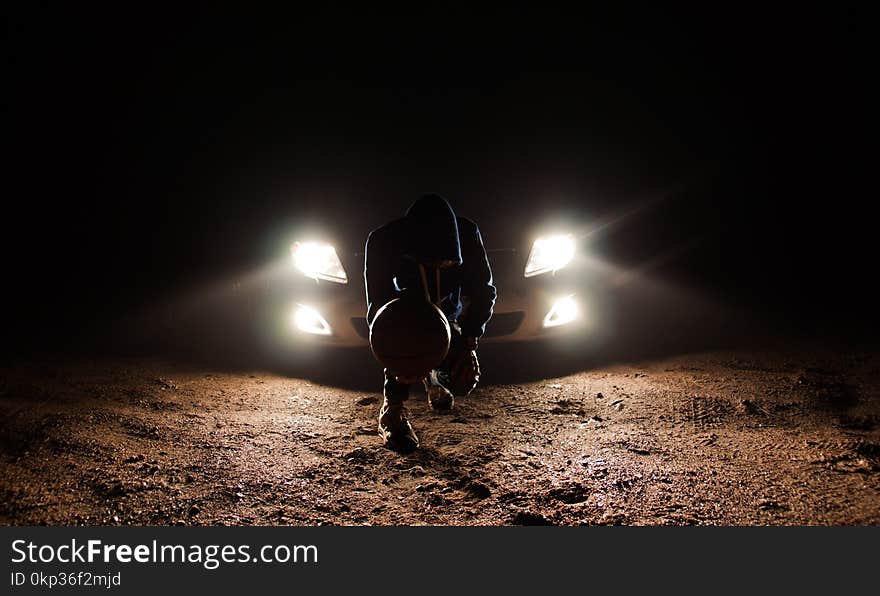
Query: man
{"type": "Point", "coordinates": [431, 240]}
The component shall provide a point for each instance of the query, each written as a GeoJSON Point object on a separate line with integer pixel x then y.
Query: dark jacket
{"type": "Point", "coordinates": [429, 233]}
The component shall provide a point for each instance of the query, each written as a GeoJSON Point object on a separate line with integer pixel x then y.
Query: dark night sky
{"type": "Point", "coordinates": [152, 151]}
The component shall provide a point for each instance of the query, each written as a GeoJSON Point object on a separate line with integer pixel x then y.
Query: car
{"type": "Point", "coordinates": [540, 271]}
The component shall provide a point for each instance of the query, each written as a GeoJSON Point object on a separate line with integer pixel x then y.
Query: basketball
{"type": "Point", "coordinates": [410, 337]}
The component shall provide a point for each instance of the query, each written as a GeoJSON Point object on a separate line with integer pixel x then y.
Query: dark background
{"type": "Point", "coordinates": [149, 152]}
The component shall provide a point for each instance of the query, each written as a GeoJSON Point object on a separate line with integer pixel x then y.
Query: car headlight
{"type": "Point", "coordinates": [318, 261]}
{"type": "Point", "coordinates": [550, 253]}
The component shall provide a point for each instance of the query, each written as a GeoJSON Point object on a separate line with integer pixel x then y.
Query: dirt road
{"type": "Point", "coordinates": [715, 438]}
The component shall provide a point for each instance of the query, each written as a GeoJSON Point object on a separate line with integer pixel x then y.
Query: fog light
{"type": "Point", "coordinates": [308, 320]}
{"type": "Point", "coordinates": [564, 310]}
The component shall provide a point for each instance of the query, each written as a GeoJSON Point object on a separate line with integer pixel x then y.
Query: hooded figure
{"type": "Point", "coordinates": [450, 250]}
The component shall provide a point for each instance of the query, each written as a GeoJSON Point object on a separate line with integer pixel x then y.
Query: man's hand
{"type": "Point", "coordinates": [464, 373]}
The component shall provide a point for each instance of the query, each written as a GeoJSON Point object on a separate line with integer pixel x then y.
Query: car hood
{"type": "Point", "coordinates": [503, 224]}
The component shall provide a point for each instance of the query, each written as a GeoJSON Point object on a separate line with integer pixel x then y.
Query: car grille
{"type": "Point", "coordinates": [504, 323]}
{"type": "Point", "coordinates": [499, 325]}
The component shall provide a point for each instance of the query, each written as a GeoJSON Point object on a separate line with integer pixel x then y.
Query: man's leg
{"type": "Point", "coordinates": [437, 383]}
{"type": "Point", "coordinates": [394, 427]}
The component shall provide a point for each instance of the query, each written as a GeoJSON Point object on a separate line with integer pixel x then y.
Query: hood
{"type": "Point", "coordinates": [433, 231]}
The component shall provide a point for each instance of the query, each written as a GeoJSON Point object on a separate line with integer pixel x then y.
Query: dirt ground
{"type": "Point", "coordinates": [713, 438]}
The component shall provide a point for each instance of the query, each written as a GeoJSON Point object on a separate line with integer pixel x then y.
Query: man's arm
{"type": "Point", "coordinates": [378, 273]}
{"type": "Point", "coordinates": [477, 283]}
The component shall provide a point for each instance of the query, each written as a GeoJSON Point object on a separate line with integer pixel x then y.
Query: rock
{"type": "Point", "coordinates": [747, 406]}
{"type": "Point", "coordinates": [526, 518]}
{"type": "Point", "coordinates": [113, 489]}
{"type": "Point", "coordinates": [165, 384]}
{"type": "Point", "coordinates": [359, 455]}
{"type": "Point", "coordinates": [433, 500]}
{"type": "Point", "coordinates": [194, 510]}
{"type": "Point", "coordinates": [417, 472]}
{"type": "Point", "coordinates": [570, 494]}
{"type": "Point", "coordinates": [600, 396]}
{"type": "Point", "coordinates": [769, 504]}
{"type": "Point", "coordinates": [478, 490]}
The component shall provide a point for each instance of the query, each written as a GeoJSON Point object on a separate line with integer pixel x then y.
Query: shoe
{"type": "Point", "coordinates": [439, 397]}
{"type": "Point", "coordinates": [394, 427]}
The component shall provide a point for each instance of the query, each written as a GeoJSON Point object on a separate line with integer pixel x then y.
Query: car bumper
{"type": "Point", "coordinates": [520, 312]}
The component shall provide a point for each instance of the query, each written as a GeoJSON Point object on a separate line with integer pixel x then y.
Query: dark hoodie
{"type": "Point", "coordinates": [431, 234]}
